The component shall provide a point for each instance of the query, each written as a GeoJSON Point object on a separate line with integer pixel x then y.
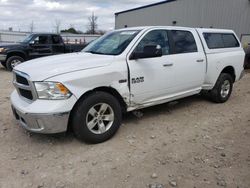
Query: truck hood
{"type": "Point", "coordinates": [11, 45]}
{"type": "Point", "coordinates": [44, 68]}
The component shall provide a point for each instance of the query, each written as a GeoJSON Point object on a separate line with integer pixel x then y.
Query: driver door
{"type": "Point", "coordinates": [150, 77]}
{"type": "Point", "coordinates": [40, 47]}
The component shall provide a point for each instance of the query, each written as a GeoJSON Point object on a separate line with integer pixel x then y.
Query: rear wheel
{"type": "Point", "coordinates": [13, 61]}
{"type": "Point", "coordinates": [97, 118]}
{"type": "Point", "coordinates": [222, 89]}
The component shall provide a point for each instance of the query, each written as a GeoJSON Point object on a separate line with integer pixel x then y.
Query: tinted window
{"type": "Point", "coordinates": [214, 40]}
{"type": "Point", "coordinates": [56, 39]}
{"type": "Point", "coordinates": [220, 40]}
{"type": "Point", "coordinates": [41, 40]}
{"type": "Point", "coordinates": [184, 41]}
{"type": "Point", "coordinates": [156, 37]}
{"type": "Point", "coordinates": [230, 41]}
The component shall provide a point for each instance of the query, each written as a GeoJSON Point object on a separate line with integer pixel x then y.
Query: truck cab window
{"type": "Point", "coordinates": [156, 37]}
{"type": "Point", "coordinates": [41, 40]}
{"type": "Point", "coordinates": [184, 41]}
{"type": "Point", "coordinates": [55, 40]}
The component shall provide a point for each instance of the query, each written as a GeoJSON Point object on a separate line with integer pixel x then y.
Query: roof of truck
{"type": "Point", "coordinates": [177, 27]}
{"type": "Point", "coordinates": [214, 30]}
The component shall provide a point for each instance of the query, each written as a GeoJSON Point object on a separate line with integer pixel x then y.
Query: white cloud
{"type": "Point", "coordinates": [19, 14]}
{"type": "Point", "coordinates": [50, 5]}
{"type": "Point", "coordinates": [3, 1]}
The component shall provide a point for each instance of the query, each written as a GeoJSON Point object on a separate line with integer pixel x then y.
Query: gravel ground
{"type": "Point", "coordinates": [189, 143]}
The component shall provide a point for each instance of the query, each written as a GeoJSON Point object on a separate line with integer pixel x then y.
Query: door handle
{"type": "Point", "coordinates": [168, 65]}
{"type": "Point", "coordinates": [199, 60]}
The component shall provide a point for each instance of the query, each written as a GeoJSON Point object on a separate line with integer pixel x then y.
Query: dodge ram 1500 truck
{"type": "Point", "coordinates": [122, 71]}
{"type": "Point", "coordinates": [34, 46]}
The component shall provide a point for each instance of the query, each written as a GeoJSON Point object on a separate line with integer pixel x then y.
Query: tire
{"type": "Point", "coordinates": [3, 64]}
{"type": "Point", "coordinates": [247, 63]}
{"type": "Point", "coordinates": [99, 130]}
{"type": "Point", "coordinates": [222, 89]}
{"type": "Point", "coordinates": [13, 61]}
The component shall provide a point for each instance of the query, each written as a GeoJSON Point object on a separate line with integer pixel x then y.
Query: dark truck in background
{"type": "Point", "coordinates": [35, 46]}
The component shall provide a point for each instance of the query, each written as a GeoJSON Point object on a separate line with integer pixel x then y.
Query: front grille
{"type": "Point", "coordinates": [26, 93]}
{"type": "Point", "coordinates": [23, 85]}
{"type": "Point", "coordinates": [21, 80]}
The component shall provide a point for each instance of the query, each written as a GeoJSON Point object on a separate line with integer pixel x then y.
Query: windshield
{"type": "Point", "coordinates": [113, 43]}
{"type": "Point", "coordinates": [27, 39]}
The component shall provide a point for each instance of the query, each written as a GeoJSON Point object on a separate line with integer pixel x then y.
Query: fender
{"type": "Point", "coordinates": [17, 52]}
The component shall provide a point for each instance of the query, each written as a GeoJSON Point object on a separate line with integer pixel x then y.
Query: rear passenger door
{"type": "Point", "coordinates": [57, 45]}
{"type": "Point", "coordinates": [189, 61]}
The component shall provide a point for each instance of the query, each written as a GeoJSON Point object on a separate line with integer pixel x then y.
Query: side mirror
{"type": "Point", "coordinates": [32, 42]}
{"type": "Point", "coordinates": [149, 51]}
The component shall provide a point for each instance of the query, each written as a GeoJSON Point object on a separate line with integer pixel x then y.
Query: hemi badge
{"type": "Point", "coordinates": [122, 81]}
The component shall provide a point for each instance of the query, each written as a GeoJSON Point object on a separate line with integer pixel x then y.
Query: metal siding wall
{"type": "Point", "coordinates": [226, 14]}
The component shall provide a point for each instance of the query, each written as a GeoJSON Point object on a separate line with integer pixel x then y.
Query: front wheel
{"type": "Point", "coordinates": [222, 89]}
{"type": "Point", "coordinates": [13, 61]}
{"type": "Point", "coordinates": [97, 118]}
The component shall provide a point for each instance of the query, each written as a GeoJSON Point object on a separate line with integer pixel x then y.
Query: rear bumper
{"type": "Point", "coordinates": [3, 57]}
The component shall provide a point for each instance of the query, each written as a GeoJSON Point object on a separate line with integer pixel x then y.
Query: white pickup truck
{"type": "Point", "coordinates": [122, 71]}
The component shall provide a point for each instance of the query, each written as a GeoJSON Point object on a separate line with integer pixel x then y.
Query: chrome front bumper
{"type": "Point", "coordinates": [3, 57]}
{"type": "Point", "coordinates": [42, 123]}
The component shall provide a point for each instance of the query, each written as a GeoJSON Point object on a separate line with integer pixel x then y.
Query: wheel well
{"type": "Point", "coordinates": [229, 70]}
{"type": "Point", "coordinates": [115, 93]}
{"type": "Point", "coordinates": [109, 90]}
{"type": "Point", "coordinates": [20, 54]}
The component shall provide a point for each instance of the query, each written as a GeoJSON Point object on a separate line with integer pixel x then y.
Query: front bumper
{"type": "Point", "coordinates": [42, 123]}
{"type": "Point", "coordinates": [3, 57]}
{"type": "Point", "coordinates": [42, 116]}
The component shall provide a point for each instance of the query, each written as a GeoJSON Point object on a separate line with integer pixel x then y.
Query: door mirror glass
{"type": "Point", "coordinates": [32, 42]}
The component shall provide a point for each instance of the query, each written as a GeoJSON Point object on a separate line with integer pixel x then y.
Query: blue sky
{"type": "Point", "coordinates": [20, 13]}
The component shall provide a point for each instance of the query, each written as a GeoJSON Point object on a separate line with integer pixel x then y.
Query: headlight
{"type": "Point", "coordinates": [2, 50]}
{"type": "Point", "coordinates": [52, 91]}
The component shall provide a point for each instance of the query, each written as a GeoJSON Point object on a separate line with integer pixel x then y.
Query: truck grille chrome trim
{"type": "Point", "coordinates": [24, 86]}
{"type": "Point", "coordinates": [21, 80]}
